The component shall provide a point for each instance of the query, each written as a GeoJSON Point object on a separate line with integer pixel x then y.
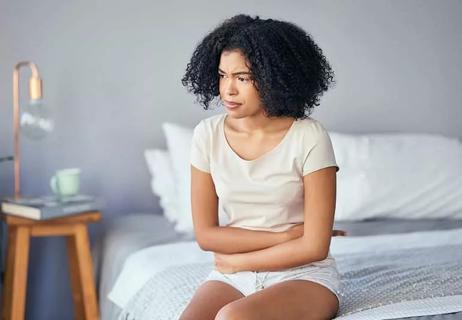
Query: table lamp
{"type": "Point", "coordinates": [34, 121]}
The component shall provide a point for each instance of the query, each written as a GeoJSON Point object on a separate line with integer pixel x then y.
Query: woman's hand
{"type": "Point", "coordinates": [232, 263]}
{"type": "Point", "coordinates": [297, 232]}
{"type": "Point", "coordinates": [227, 263]}
{"type": "Point", "coordinates": [339, 233]}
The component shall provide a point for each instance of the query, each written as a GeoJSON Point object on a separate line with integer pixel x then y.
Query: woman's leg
{"type": "Point", "coordinates": [210, 297]}
{"type": "Point", "coordinates": [291, 299]}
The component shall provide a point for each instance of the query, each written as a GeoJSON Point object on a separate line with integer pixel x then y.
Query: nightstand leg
{"type": "Point", "coordinates": [81, 267]}
{"type": "Point", "coordinates": [16, 273]}
{"type": "Point", "coordinates": [75, 279]}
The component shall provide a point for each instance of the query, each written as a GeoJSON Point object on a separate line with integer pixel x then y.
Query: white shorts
{"type": "Point", "coordinates": [322, 272]}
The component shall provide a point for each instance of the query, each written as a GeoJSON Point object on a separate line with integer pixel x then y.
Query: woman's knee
{"type": "Point", "coordinates": [235, 311]}
{"type": "Point", "coordinates": [208, 299]}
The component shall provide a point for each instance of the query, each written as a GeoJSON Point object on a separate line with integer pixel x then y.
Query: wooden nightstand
{"type": "Point", "coordinates": [74, 228]}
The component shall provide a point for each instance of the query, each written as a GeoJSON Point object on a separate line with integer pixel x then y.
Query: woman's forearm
{"type": "Point", "coordinates": [290, 254]}
{"type": "Point", "coordinates": [230, 240]}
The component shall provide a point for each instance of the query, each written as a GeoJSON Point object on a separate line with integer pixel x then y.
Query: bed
{"type": "Point", "coordinates": [127, 235]}
{"type": "Point", "coordinates": [399, 197]}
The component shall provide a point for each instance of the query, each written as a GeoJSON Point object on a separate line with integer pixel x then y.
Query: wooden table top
{"type": "Point", "coordinates": [84, 217]}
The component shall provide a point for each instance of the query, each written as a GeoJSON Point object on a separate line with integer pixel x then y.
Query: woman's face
{"type": "Point", "coordinates": [236, 85]}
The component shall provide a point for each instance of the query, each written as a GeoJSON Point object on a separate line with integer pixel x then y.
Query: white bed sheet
{"type": "Point", "coordinates": [143, 264]}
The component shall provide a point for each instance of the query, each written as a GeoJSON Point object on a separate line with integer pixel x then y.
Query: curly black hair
{"type": "Point", "coordinates": [288, 69]}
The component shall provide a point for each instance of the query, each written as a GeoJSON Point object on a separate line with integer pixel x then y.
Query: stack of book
{"type": "Point", "coordinates": [49, 207]}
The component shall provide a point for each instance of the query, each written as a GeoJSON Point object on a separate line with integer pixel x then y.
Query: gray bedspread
{"type": "Point", "coordinates": [127, 234]}
{"type": "Point", "coordinates": [370, 280]}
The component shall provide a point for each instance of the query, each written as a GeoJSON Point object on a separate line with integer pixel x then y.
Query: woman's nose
{"type": "Point", "coordinates": [230, 87]}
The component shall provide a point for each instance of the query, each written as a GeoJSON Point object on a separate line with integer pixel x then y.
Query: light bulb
{"type": "Point", "coordinates": [36, 121]}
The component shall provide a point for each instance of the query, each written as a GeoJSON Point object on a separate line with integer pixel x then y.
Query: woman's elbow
{"type": "Point", "coordinates": [202, 240]}
{"type": "Point", "coordinates": [323, 255]}
{"type": "Point", "coordinates": [316, 253]}
{"type": "Point", "coordinates": [203, 245]}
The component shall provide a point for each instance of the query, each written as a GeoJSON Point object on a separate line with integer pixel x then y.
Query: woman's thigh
{"type": "Point", "coordinates": [292, 299]}
{"type": "Point", "coordinates": [208, 299]}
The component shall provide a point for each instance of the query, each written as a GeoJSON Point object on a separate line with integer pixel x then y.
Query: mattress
{"type": "Point", "coordinates": [122, 236]}
{"type": "Point", "coordinates": [127, 234]}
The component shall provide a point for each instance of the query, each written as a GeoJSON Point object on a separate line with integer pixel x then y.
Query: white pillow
{"type": "Point", "coordinates": [179, 140]}
{"type": "Point", "coordinates": [398, 175]}
{"type": "Point", "coordinates": [162, 181]}
{"type": "Point", "coordinates": [390, 175]}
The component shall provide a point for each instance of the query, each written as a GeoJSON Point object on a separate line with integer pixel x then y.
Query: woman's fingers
{"type": "Point", "coordinates": [338, 233]}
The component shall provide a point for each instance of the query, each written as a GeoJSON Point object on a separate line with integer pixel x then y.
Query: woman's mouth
{"type": "Point", "coordinates": [231, 105]}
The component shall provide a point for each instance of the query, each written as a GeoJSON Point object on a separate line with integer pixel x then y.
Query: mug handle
{"type": "Point", "coordinates": [53, 185]}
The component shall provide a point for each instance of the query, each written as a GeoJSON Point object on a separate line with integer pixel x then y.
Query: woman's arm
{"type": "Point", "coordinates": [238, 240]}
{"type": "Point", "coordinates": [212, 237]}
{"type": "Point", "coordinates": [320, 194]}
{"type": "Point", "coordinates": [282, 256]}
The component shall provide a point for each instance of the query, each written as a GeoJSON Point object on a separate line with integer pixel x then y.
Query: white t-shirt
{"type": "Point", "coordinates": [266, 193]}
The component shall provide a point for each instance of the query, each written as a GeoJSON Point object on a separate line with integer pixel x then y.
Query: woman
{"type": "Point", "coordinates": [273, 169]}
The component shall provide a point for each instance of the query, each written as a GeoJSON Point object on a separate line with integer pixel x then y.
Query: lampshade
{"type": "Point", "coordinates": [35, 120]}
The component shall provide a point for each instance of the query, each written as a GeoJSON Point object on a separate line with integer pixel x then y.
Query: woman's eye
{"type": "Point", "coordinates": [221, 76]}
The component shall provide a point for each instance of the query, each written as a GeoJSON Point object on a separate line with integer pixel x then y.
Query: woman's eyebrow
{"type": "Point", "coordinates": [235, 73]}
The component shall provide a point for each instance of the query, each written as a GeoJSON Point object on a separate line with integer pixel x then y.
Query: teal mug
{"type": "Point", "coordinates": [66, 182]}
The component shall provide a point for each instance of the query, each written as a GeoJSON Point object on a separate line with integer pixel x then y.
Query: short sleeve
{"type": "Point", "coordinates": [199, 149]}
{"type": "Point", "coordinates": [320, 155]}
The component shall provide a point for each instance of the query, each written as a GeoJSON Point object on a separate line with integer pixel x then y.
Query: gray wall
{"type": "Point", "coordinates": [112, 69]}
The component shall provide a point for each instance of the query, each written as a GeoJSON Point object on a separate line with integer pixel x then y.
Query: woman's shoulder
{"type": "Point", "coordinates": [209, 126]}
{"type": "Point", "coordinates": [213, 121]}
{"type": "Point", "coordinates": [311, 127]}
